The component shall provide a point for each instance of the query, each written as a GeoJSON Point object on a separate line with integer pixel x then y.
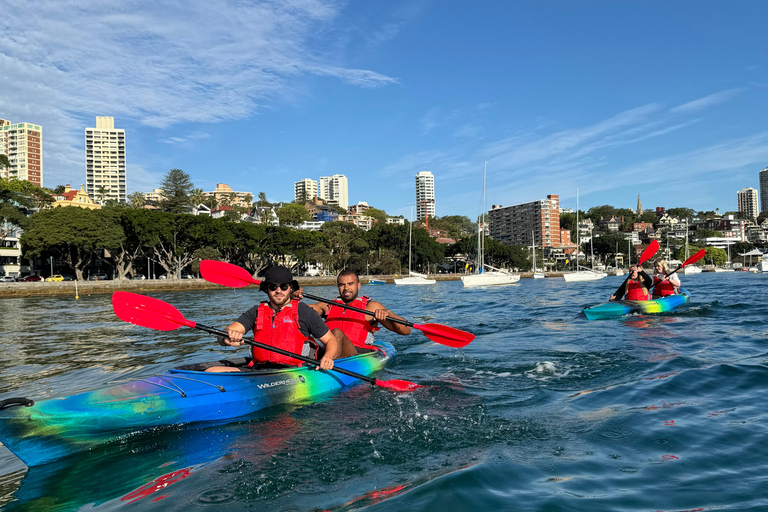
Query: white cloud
{"type": "Point", "coordinates": [158, 63]}
{"type": "Point", "coordinates": [706, 101]}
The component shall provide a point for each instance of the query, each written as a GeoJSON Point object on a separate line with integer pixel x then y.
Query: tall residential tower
{"type": "Point", "coordinates": [764, 190]}
{"type": "Point", "coordinates": [305, 190]}
{"type": "Point", "coordinates": [105, 161]}
{"type": "Point", "coordinates": [334, 190]}
{"type": "Point", "coordinates": [22, 143]}
{"type": "Point", "coordinates": [747, 202]}
{"type": "Point", "coordinates": [425, 195]}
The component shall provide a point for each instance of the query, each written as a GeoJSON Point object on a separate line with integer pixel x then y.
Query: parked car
{"type": "Point", "coordinates": [67, 277]}
{"type": "Point", "coordinates": [188, 276]}
{"type": "Point", "coordinates": [138, 277]}
{"type": "Point", "coordinates": [7, 279]}
{"type": "Point", "coordinates": [30, 279]}
{"type": "Point", "coordinates": [163, 276]}
{"type": "Point", "coordinates": [98, 277]}
{"type": "Point", "coordinates": [55, 278]}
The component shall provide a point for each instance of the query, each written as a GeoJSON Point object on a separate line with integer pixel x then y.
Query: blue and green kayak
{"type": "Point", "coordinates": [617, 308]}
{"type": "Point", "coordinates": [41, 431]}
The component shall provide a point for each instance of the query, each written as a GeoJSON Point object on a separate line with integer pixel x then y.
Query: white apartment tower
{"type": "Point", "coordinates": [22, 143]}
{"type": "Point", "coordinates": [764, 190]}
{"type": "Point", "coordinates": [747, 201]}
{"type": "Point", "coordinates": [425, 195]}
{"type": "Point", "coordinates": [305, 189]}
{"type": "Point", "coordinates": [105, 161]}
{"type": "Point", "coordinates": [334, 190]}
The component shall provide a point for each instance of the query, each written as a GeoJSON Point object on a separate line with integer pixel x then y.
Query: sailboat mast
{"type": "Point", "coordinates": [482, 220]}
{"type": "Point", "coordinates": [410, 241]}
{"type": "Point", "coordinates": [577, 230]}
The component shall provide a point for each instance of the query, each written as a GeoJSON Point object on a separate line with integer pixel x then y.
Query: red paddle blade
{"type": "Point", "coordinates": [649, 251]}
{"type": "Point", "coordinates": [398, 385]}
{"type": "Point", "coordinates": [148, 312]}
{"type": "Point", "coordinates": [445, 335]}
{"type": "Point", "coordinates": [693, 259]}
{"type": "Point", "coordinates": [226, 274]}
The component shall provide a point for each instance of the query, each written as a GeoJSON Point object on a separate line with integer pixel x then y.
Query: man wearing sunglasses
{"type": "Point", "coordinates": [282, 322]}
{"type": "Point", "coordinates": [351, 328]}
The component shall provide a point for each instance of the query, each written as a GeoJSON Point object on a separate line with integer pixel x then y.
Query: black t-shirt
{"type": "Point", "coordinates": [310, 322]}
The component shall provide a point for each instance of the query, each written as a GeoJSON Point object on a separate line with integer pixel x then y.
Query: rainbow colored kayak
{"type": "Point", "coordinates": [617, 308]}
{"type": "Point", "coordinates": [42, 431]}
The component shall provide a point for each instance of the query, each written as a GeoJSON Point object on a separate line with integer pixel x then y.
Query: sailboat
{"type": "Point", "coordinates": [413, 277]}
{"type": "Point", "coordinates": [486, 275]}
{"type": "Point", "coordinates": [689, 269]}
{"type": "Point", "coordinates": [536, 275]}
{"type": "Point", "coordinates": [582, 273]}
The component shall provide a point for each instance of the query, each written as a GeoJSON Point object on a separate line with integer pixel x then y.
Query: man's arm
{"type": "Point", "coordinates": [381, 313]}
{"type": "Point", "coordinates": [332, 350]}
{"type": "Point", "coordinates": [320, 307]}
{"type": "Point", "coordinates": [235, 333]}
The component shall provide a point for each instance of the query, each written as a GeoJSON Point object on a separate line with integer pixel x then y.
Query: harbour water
{"type": "Point", "coordinates": [543, 411]}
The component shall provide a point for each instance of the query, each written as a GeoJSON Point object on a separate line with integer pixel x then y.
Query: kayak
{"type": "Point", "coordinates": [617, 308]}
{"type": "Point", "coordinates": [41, 431]}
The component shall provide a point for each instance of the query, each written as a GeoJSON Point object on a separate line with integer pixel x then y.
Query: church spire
{"type": "Point", "coordinates": [639, 206]}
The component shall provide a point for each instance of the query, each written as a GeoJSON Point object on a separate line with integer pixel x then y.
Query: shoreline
{"type": "Point", "coordinates": [85, 288]}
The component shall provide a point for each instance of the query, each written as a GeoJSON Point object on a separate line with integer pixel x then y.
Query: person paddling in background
{"type": "Point", "coordinates": [636, 286]}
{"type": "Point", "coordinates": [282, 322]}
{"type": "Point", "coordinates": [664, 281]}
{"type": "Point", "coordinates": [355, 329]}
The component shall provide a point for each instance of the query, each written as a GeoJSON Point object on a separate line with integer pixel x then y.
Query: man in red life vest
{"type": "Point", "coordinates": [636, 286]}
{"type": "Point", "coordinates": [355, 329]}
{"type": "Point", "coordinates": [281, 322]}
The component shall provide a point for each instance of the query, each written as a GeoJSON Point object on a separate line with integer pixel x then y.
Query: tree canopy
{"type": "Point", "coordinates": [176, 189]}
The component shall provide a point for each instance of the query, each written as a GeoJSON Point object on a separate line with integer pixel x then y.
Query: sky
{"type": "Point", "coordinates": [668, 100]}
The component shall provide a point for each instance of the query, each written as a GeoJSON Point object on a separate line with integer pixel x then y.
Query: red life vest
{"type": "Point", "coordinates": [636, 291]}
{"type": "Point", "coordinates": [663, 288]}
{"type": "Point", "coordinates": [280, 330]}
{"type": "Point", "coordinates": [355, 325]}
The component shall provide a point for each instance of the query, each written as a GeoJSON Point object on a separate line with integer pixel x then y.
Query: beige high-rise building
{"type": "Point", "coordinates": [105, 174]}
{"type": "Point", "coordinates": [535, 223]}
{"type": "Point", "coordinates": [305, 190]}
{"type": "Point", "coordinates": [425, 195]}
{"type": "Point", "coordinates": [22, 143]}
{"type": "Point", "coordinates": [334, 190]}
{"type": "Point", "coordinates": [747, 202]}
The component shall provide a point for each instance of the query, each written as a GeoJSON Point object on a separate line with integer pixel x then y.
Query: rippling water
{"type": "Point", "coordinates": [545, 410]}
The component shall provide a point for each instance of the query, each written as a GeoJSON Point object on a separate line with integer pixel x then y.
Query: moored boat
{"type": "Point", "coordinates": [45, 430]}
{"type": "Point", "coordinates": [617, 308]}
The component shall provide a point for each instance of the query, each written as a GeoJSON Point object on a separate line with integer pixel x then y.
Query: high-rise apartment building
{"type": "Point", "coordinates": [224, 195]}
{"type": "Point", "coordinates": [334, 190]}
{"type": "Point", "coordinates": [425, 195]}
{"type": "Point", "coordinates": [305, 190]}
{"type": "Point", "coordinates": [22, 143]}
{"type": "Point", "coordinates": [747, 202]}
{"type": "Point", "coordinates": [105, 161]}
{"type": "Point", "coordinates": [764, 190]}
{"type": "Point", "coordinates": [535, 223]}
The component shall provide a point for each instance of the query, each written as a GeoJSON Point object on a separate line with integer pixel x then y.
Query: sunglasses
{"type": "Point", "coordinates": [273, 287]}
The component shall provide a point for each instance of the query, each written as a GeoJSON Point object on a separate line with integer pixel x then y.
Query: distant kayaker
{"type": "Point", "coordinates": [282, 322]}
{"type": "Point", "coordinates": [355, 329]}
{"type": "Point", "coordinates": [664, 284]}
{"type": "Point", "coordinates": [636, 286]}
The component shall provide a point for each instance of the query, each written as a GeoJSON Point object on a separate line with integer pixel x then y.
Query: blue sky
{"type": "Point", "coordinates": [665, 99]}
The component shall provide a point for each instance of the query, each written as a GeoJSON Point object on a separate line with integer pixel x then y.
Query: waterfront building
{"type": "Point", "coordinates": [747, 202]}
{"type": "Point", "coordinates": [305, 190]}
{"type": "Point", "coordinates": [76, 198]}
{"type": "Point", "coordinates": [358, 209]}
{"type": "Point", "coordinates": [425, 195]}
{"type": "Point", "coordinates": [22, 143]}
{"type": "Point", "coordinates": [223, 194]}
{"type": "Point", "coordinates": [105, 161]}
{"type": "Point", "coordinates": [334, 190]}
{"type": "Point", "coordinates": [763, 175]}
{"type": "Point", "coordinates": [514, 225]}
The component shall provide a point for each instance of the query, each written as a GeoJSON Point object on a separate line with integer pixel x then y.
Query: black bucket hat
{"type": "Point", "coordinates": [278, 275]}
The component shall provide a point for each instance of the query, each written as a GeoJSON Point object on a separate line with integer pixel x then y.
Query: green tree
{"type": "Point", "coordinates": [715, 256]}
{"type": "Point", "coordinates": [263, 200]}
{"type": "Point", "coordinates": [648, 218]}
{"type": "Point", "coordinates": [137, 199]}
{"type": "Point", "coordinates": [196, 197]}
{"type": "Point", "coordinates": [17, 199]}
{"type": "Point", "coordinates": [102, 192]}
{"type": "Point", "coordinates": [176, 189]}
{"type": "Point", "coordinates": [344, 240]}
{"type": "Point", "coordinates": [292, 214]}
{"type": "Point", "coordinates": [204, 253]}
{"type": "Point", "coordinates": [681, 213]}
{"type": "Point", "coordinates": [74, 235]}
{"type": "Point", "coordinates": [4, 163]}
{"type": "Point", "coordinates": [58, 190]}
{"type": "Point", "coordinates": [378, 215]}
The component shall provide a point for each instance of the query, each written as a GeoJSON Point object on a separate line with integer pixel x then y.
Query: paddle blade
{"type": "Point", "coordinates": [649, 251]}
{"type": "Point", "coordinates": [226, 274]}
{"type": "Point", "coordinates": [445, 335]}
{"type": "Point", "coordinates": [693, 259]}
{"type": "Point", "coordinates": [398, 385]}
{"type": "Point", "coordinates": [147, 312]}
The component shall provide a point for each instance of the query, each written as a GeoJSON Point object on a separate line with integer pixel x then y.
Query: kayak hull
{"type": "Point", "coordinates": [617, 308]}
{"type": "Point", "coordinates": [53, 428]}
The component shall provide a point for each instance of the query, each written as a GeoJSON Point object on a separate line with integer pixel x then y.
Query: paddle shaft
{"type": "Point", "coordinates": [353, 308]}
{"type": "Point", "coordinates": [315, 362]}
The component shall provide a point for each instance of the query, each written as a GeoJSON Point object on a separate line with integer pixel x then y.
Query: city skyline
{"type": "Point", "coordinates": [268, 94]}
